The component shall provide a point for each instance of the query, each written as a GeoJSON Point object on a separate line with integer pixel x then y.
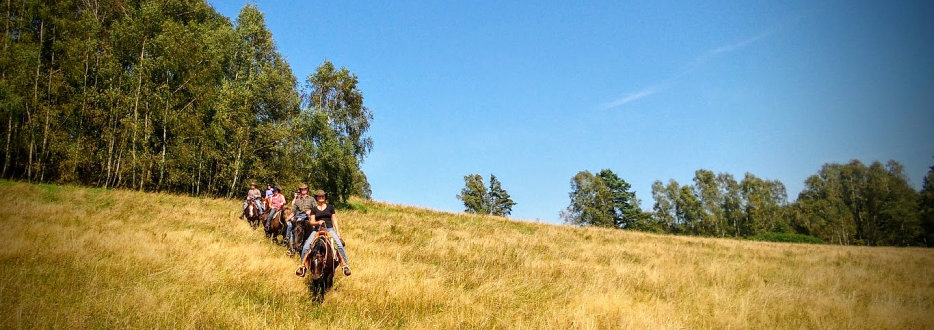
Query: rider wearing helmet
{"type": "Point", "coordinates": [324, 215]}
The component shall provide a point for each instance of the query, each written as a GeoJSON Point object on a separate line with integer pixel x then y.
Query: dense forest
{"type": "Point", "coordinates": [171, 96]}
{"type": "Point", "coordinates": [849, 204]}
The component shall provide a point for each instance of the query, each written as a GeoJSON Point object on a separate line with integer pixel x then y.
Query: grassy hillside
{"type": "Point", "coordinates": [78, 257]}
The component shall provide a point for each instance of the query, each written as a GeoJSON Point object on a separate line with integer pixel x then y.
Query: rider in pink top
{"type": "Point", "coordinates": [275, 204]}
{"type": "Point", "coordinates": [277, 200]}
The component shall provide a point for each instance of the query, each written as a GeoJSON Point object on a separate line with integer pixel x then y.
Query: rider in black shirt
{"type": "Point", "coordinates": [324, 215]}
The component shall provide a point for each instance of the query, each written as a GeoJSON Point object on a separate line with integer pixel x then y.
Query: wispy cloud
{"type": "Point", "coordinates": [699, 60]}
{"type": "Point", "coordinates": [741, 44]}
{"type": "Point", "coordinates": [632, 97]}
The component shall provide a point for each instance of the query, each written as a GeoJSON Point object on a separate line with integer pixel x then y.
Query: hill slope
{"type": "Point", "coordinates": [79, 257]}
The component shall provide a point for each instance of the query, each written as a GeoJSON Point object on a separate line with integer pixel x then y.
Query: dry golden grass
{"type": "Point", "coordinates": [78, 257]}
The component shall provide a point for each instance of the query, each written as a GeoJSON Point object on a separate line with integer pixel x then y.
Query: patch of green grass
{"type": "Point", "coordinates": [357, 206]}
{"type": "Point", "coordinates": [786, 238]}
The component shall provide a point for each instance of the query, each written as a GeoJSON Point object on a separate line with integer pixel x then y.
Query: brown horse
{"type": "Point", "coordinates": [252, 214]}
{"type": "Point", "coordinates": [276, 228]}
{"type": "Point", "coordinates": [321, 264]}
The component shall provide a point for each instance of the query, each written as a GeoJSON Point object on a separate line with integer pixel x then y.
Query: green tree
{"type": "Point", "coordinates": [169, 95]}
{"type": "Point", "coordinates": [500, 202]}
{"type": "Point", "coordinates": [763, 201]}
{"type": "Point", "coordinates": [475, 195]}
{"type": "Point", "coordinates": [732, 203]}
{"type": "Point", "coordinates": [927, 208]}
{"type": "Point", "coordinates": [604, 200]}
{"type": "Point", "coordinates": [342, 121]}
{"type": "Point", "coordinates": [335, 93]}
{"type": "Point", "coordinates": [690, 211]}
{"type": "Point", "coordinates": [624, 206]}
{"type": "Point", "coordinates": [664, 214]}
{"type": "Point", "coordinates": [478, 199]}
{"type": "Point", "coordinates": [591, 202]}
{"type": "Point", "coordinates": [858, 204]}
{"type": "Point", "coordinates": [711, 196]}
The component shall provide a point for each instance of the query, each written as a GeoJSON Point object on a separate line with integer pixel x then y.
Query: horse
{"type": "Point", "coordinates": [276, 227]}
{"type": "Point", "coordinates": [301, 230]}
{"type": "Point", "coordinates": [322, 263]}
{"type": "Point", "coordinates": [253, 216]}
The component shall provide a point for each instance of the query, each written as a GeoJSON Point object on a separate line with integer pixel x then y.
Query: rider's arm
{"type": "Point", "coordinates": [315, 221]}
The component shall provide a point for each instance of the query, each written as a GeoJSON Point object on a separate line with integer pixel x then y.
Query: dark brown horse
{"type": "Point", "coordinates": [321, 264]}
{"type": "Point", "coordinates": [301, 230]}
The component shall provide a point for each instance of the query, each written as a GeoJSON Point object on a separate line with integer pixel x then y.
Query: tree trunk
{"type": "Point", "coordinates": [165, 122]}
{"type": "Point", "coordinates": [48, 113]}
{"type": "Point", "coordinates": [32, 146]}
{"type": "Point", "coordinates": [6, 36]}
{"type": "Point", "coordinates": [200, 162]}
{"type": "Point", "coordinates": [236, 171]}
{"type": "Point", "coordinates": [35, 102]}
{"type": "Point", "coordinates": [9, 135]}
{"type": "Point", "coordinates": [139, 85]}
{"type": "Point", "coordinates": [82, 113]}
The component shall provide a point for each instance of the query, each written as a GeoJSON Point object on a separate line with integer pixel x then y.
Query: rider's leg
{"type": "Point", "coordinates": [288, 233]}
{"type": "Point", "coordinates": [340, 247]}
{"type": "Point", "coordinates": [269, 219]}
{"type": "Point", "coordinates": [307, 246]}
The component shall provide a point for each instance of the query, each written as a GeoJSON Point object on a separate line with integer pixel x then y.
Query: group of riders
{"type": "Point", "coordinates": [313, 211]}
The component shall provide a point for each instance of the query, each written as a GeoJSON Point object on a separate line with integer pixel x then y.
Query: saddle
{"type": "Point", "coordinates": [327, 235]}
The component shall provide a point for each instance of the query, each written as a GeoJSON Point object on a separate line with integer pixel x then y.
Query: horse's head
{"type": "Point", "coordinates": [318, 261]}
{"type": "Point", "coordinates": [251, 209]}
{"type": "Point", "coordinates": [298, 231]}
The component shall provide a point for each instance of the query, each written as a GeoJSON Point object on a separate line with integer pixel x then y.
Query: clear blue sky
{"type": "Point", "coordinates": [534, 92]}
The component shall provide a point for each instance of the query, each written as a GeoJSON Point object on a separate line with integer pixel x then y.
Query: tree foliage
{"type": "Point", "coordinates": [500, 202]}
{"type": "Point", "coordinates": [475, 195]}
{"type": "Point", "coordinates": [169, 96]}
{"type": "Point", "coordinates": [478, 199]}
{"type": "Point", "coordinates": [842, 204]}
{"type": "Point", "coordinates": [927, 208]}
{"type": "Point", "coordinates": [858, 204]}
{"type": "Point", "coordinates": [603, 200]}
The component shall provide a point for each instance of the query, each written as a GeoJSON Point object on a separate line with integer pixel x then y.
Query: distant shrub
{"type": "Point", "coordinates": [786, 237]}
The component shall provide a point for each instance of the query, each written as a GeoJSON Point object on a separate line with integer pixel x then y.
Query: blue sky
{"type": "Point", "coordinates": [534, 92]}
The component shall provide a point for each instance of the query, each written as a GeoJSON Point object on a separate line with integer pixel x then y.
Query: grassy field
{"type": "Point", "coordinates": [79, 257]}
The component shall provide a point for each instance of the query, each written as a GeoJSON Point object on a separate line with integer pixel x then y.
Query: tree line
{"type": "Point", "coordinates": [170, 96]}
{"type": "Point", "coordinates": [849, 204]}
